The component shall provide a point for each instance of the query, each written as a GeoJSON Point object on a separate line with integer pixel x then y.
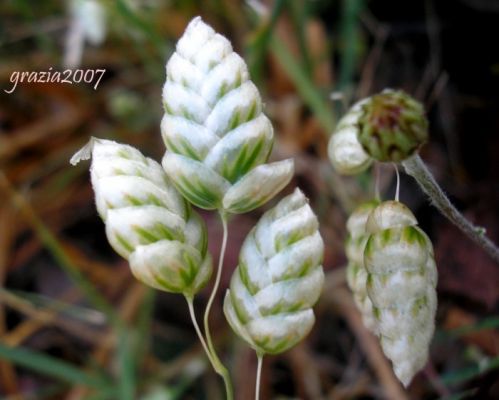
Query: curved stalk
{"type": "Point", "coordinates": [217, 364]}
{"type": "Point", "coordinates": [258, 375]}
{"type": "Point", "coordinates": [198, 330]}
{"type": "Point", "coordinates": [415, 167]}
{"type": "Point", "coordinates": [397, 190]}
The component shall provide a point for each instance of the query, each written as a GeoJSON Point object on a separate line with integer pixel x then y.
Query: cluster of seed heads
{"type": "Point", "coordinates": [391, 269]}
{"type": "Point", "coordinates": [218, 143]}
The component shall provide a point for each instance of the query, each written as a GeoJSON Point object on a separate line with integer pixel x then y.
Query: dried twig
{"type": "Point", "coordinates": [342, 299]}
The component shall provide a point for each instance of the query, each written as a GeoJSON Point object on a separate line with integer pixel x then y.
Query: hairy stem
{"type": "Point", "coordinates": [415, 167]}
{"type": "Point", "coordinates": [217, 364]}
{"type": "Point", "coordinates": [258, 375]}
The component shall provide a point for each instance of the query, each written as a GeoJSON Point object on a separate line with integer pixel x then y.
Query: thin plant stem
{"type": "Point", "coordinates": [217, 364]}
{"type": "Point", "coordinates": [198, 330]}
{"type": "Point", "coordinates": [397, 190]}
{"type": "Point", "coordinates": [258, 375]}
{"type": "Point", "coordinates": [415, 167]}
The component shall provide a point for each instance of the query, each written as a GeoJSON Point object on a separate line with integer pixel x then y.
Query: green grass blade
{"type": "Point", "coordinates": [466, 374]}
{"type": "Point", "coordinates": [144, 323]}
{"type": "Point", "coordinates": [481, 325]}
{"type": "Point", "coordinates": [487, 323]}
{"type": "Point", "coordinates": [133, 346]}
{"type": "Point", "coordinates": [125, 352]}
{"type": "Point", "coordinates": [349, 39]}
{"type": "Point", "coordinates": [59, 254]}
{"type": "Point", "coordinates": [50, 366]}
{"type": "Point", "coordinates": [311, 95]}
{"type": "Point", "coordinates": [467, 394]}
{"type": "Point", "coordinates": [35, 300]}
{"type": "Point", "coordinates": [299, 16]}
{"type": "Point", "coordinates": [141, 25]}
{"type": "Point", "coordinates": [259, 45]}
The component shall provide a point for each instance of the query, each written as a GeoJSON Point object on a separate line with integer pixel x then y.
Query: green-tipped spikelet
{"type": "Point", "coordinates": [217, 137]}
{"type": "Point", "coordinates": [356, 272]}
{"type": "Point", "coordinates": [344, 150]}
{"type": "Point", "coordinates": [401, 283]}
{"type": "Point", "coordinates": [147, 220]}
{"type": "Point", "coordinates": [392, 126]}
{"type": "Point", "coordinates": [279, 278]}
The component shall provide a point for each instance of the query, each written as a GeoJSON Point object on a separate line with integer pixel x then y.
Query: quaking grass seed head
{"type": "Point", "coordinates": [392, 126]}
{"type": "Point", "coordinates": [401, 283]}
{"type": "Point", "coordinates": [147, 220]}
{"type": "Point", "coordinates": [279, 278]}
{"type": "Point", "coordinates": [218, 139]}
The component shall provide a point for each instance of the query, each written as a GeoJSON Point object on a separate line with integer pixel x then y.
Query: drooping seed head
{"type": "Point", "coordinates": [401, 284]}
{"type": "Point", "coordinates": [279, 278]}
{"type": "Point", "coordinates": [147, 220]}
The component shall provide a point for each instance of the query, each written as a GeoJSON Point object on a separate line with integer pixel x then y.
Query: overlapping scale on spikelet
{"type": "Point", "coordinates": [147, 220]}
{"type": "Point", "coordinates": [217, 137]}
{"type": "Point", "coordinates": [344, 149]}
{"type": "Point", "coordinates": [401, 284]}
{"type": "Point", "coordinates": [279, 278]}
{"type": "Point", "coordinates": [356, 272]}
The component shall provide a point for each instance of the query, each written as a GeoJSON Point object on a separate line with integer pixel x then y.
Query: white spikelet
{"type": "Point", "coordinates": [91, 15]}
{"type": "Point", "coordinates": [356, 272]}
{"type": "Point", "coordinates": [345, 150]}
{"type": "Point", "coordinates": [147, 220]}
{"type": "Point", "coordinates": [218, 138]}
{"type": "Point", "coordinates": [401, 284]}
{"type": "Point", "coordinates": [87, 24]}
{"type": "Point", "coordinates": [279, 278]}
